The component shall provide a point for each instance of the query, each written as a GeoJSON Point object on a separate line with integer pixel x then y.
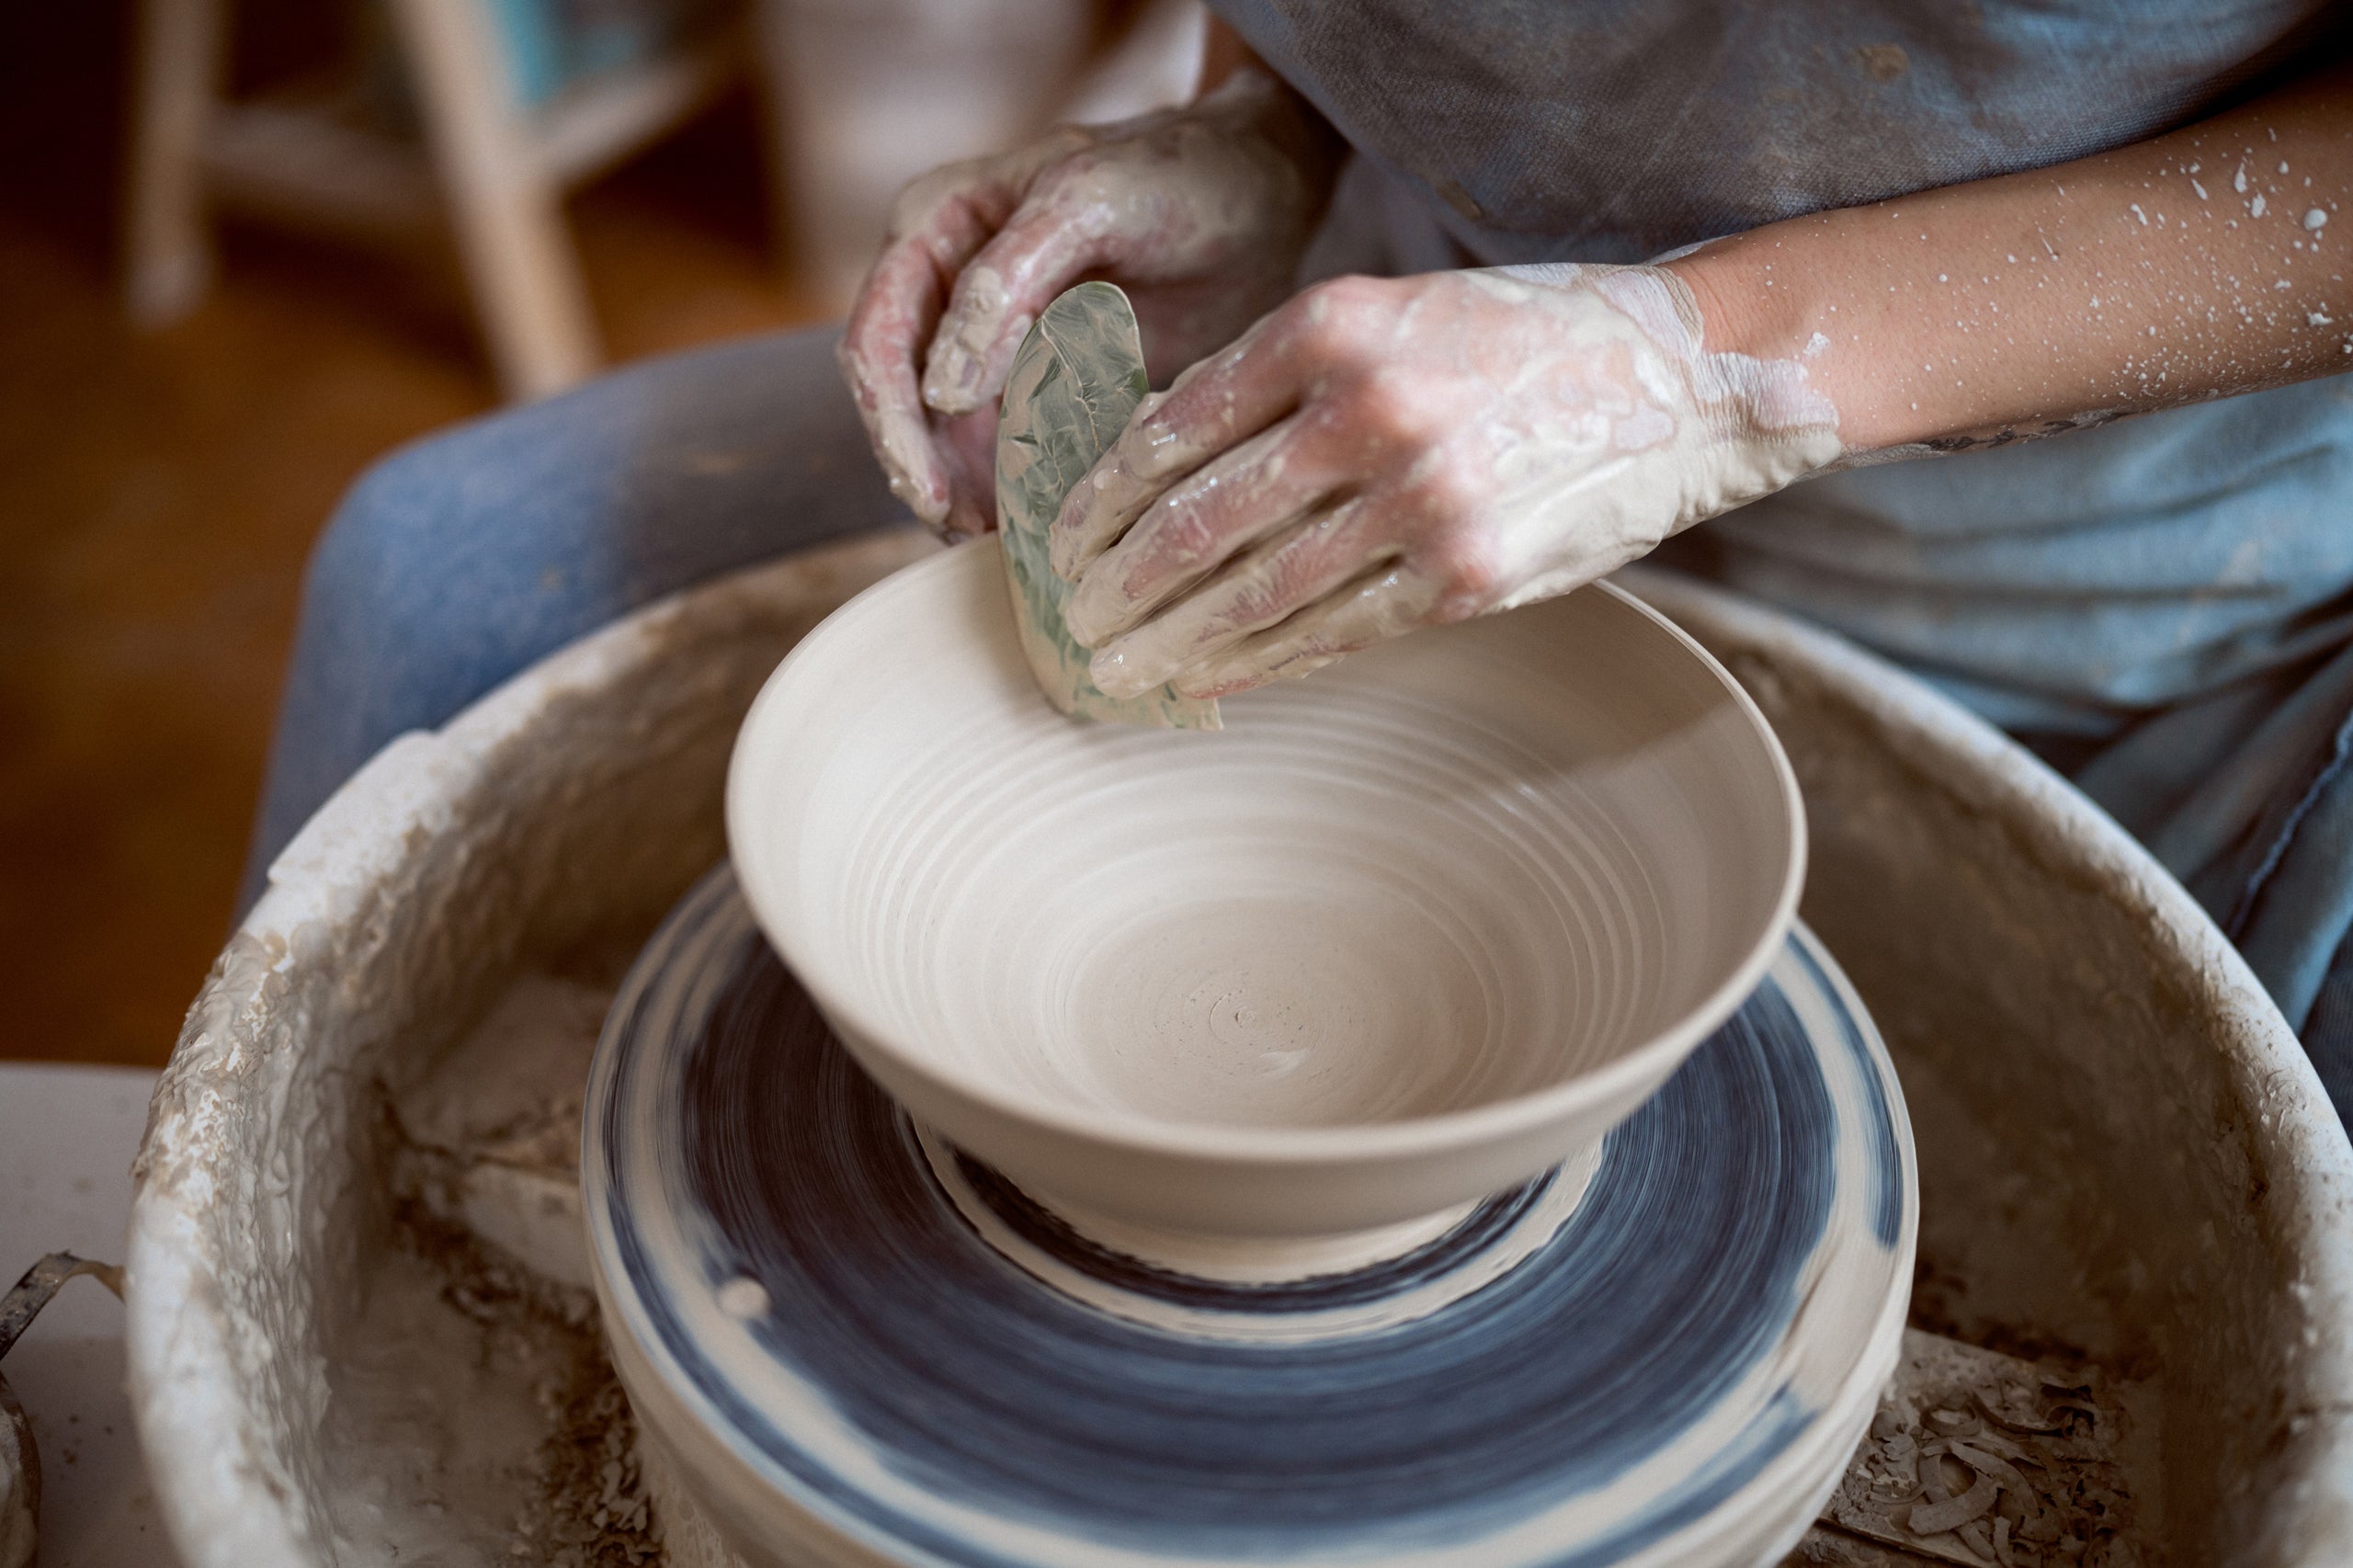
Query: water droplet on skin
{"type": "Point", "coordinates": [2254, 207]}
{"type": "Point", "coordinates": [2315, 219]}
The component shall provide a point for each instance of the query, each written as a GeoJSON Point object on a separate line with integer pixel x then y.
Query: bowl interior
{"type": "Point", "coordinates": [1463, 867]}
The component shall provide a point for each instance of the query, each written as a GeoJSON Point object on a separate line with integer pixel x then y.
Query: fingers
{"type": "Point", "coordinates": [1257, 589]}
{"type": "Point", "coordinates": [1042, 251]}
{"type": "Point", "coordinates": [1377, 565]}
{"type": "Point", "coordinates": [1382, 603]}
{"type": "Point", "coordinates": [938, 224]}
{"type": "Point", "coordinates": [1260, 379]}
{"type": "Point", "coordinates": [1255, 491]}
{"type": "Point", "coordinates": [1169, 435]}
{"type": "Point", "coordinates": [895, 312]}
{"type": "Point", "coordinates": [877, 358]}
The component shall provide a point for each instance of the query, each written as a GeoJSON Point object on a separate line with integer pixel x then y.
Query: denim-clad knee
{"type": "Point", "coordinates": [456, 562]}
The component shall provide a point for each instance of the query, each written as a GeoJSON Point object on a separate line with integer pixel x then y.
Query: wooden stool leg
{"type": "Point", "coordinates": [506, 205]}
{"type": "Point", "coordinates": [167, 252]}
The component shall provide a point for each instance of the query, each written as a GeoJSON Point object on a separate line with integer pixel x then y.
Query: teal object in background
{"type": "Point", "coordinates": [1076, 379]}
{"type": "Point", "coordinates": [552, 44]}
{"type": "Point", "coordinates": [549, 45]}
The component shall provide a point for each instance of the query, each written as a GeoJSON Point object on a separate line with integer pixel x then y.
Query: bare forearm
{"type": "Point", "coordinates": [2210, 261]}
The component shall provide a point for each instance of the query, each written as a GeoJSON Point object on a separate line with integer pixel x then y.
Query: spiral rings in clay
{"type": "Point", "coordinates": [1493, 862]}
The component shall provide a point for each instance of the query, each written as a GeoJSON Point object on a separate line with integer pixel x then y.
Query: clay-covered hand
{"type": "Point", "coordinates": [1200, 213]}
{"type": "Point", "coordinates": [1378, 455]}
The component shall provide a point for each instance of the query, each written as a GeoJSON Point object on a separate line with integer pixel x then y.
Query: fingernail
{"type": "Point", "coordinates": [1092, 612]}
{"type": "Point", "coordinates": [952, 378]}
{"type": "Point", "coordinates": [930, 509]}
{"type": "Point", "coordinates": [1115, 673]}
{"type": "Point", "coordinates": [1075, 524]}
{"type": "Point", "coordinates": [951, 382]}
{"type": "Point", "coordinates": [1149, 447]}
{"type": "Point", "coordinates": [966, 520]}
{"type": "Point", "coordinates": [927, 504]}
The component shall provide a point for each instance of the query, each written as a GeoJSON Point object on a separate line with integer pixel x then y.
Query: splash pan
{"type": "Point", "coordinates": [853, 1342]}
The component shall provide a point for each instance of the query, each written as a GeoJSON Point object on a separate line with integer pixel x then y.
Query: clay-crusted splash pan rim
{"type": "Point", "coordinates": [1289, 1146]}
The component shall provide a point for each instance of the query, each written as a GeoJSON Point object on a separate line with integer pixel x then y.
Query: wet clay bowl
{"type": "Point", "coordinates": [1400, 935]}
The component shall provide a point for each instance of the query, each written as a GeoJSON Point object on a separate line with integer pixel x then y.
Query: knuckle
{"type": "Point", "coordinates": [1085, 170]}
{"type": "Point", "coordinates": [1183, 532]}
{"type": "Point", "coordinates": [1071, 192]}
{"type": "Point", "coordinates": [1461, 563]}
{"type": "Point", "coordinates": [851, 353]}
{"type": "Point", "coordinates": [1351, 295]}
{"type": "Point", "coordinates": [921, 200]}
{"type": "Point", "coordinates": [1453, 489]}
{"type": "Point", "coordinates": [1336, 320]}
{"type": "Point", "coordinates": [1388, 403]}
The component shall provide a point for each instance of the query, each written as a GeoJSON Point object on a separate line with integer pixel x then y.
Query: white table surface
{"type": "Point", "coordinates": [67, 1135]}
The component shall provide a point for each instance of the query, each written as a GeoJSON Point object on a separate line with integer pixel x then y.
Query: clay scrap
{"type": "Point", "coordinates": [1983, 1461]}
{"type": "Point", "coordinates": [1076, 379]}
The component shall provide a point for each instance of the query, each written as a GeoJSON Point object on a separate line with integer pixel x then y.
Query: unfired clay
{"type": "Point", "coordinates": [1394, 939]}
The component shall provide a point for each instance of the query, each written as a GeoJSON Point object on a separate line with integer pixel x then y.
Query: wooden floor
{"type": "Point", "coordinates": [158, 495]}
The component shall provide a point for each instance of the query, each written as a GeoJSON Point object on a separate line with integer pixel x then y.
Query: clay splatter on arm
{"type": "Point", "coordinates": [2207, 262]}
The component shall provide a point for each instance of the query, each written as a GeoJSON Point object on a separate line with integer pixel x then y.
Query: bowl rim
{"type": "Point", "coordinates": [1407, 1137]}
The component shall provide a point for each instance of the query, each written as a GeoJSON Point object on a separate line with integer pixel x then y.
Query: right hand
{"type": "Point", "coordinates": [1200, 213]}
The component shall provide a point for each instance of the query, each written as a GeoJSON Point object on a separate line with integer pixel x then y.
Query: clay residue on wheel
{"type": "Point", "coordinates": [486, 1424]}
{"type": "Point", "coordinates": [280, 1320]}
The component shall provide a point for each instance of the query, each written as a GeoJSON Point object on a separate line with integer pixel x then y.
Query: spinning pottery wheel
{"type": "Point", "coordinates": [2122, 1152]}
{"type": "Point", "coordinates": [855, 1344]}
{"type": "Point", "coordinates": [1305, 1142]}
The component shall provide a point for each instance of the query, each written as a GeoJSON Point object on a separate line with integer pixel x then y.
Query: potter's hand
{"type": "Point", "coordinates": [1378, 455]}
{"type": "Point", "coordinates": [1200, 213]}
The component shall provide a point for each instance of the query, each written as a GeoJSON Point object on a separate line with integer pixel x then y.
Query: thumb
{"type": "Point", "coordinates": [968, 448]}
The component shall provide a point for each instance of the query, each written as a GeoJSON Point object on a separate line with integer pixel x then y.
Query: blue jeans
{"type": "Point", "coordinates": [458, 560]}
{"type": "Point", "coordinates": [461, 559]}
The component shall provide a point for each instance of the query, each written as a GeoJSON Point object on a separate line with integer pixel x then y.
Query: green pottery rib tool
{"type": "Point", "coordinates": [1077, 378]}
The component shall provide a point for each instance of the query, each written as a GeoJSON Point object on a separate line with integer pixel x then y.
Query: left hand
{"type": "Point", "coordinates": [1199, 212]}
{"type": "Point", "coordinates": [1378, 455]}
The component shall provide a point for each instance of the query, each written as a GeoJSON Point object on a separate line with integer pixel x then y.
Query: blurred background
{"type": "Point", "coordinates": [247, 247]}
